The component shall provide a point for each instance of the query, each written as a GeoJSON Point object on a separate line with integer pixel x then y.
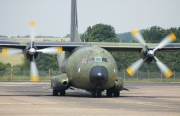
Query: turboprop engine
{"type": "Point", "coordinates": [143, 54]}
{"type": "Point", "coordinates": [27, 55]}
{"type": "Point", "coordinates": [60, 82]}
{"type": "Point", "coordinates": [147, 55]}
{"type": "Point", "coordinates": [31, 53]}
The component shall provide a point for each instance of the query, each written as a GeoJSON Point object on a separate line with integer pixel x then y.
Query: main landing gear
{"type": "Point", "coordinates": [110, 93]}
{"type": "Point", "coordinates": [56, 92]}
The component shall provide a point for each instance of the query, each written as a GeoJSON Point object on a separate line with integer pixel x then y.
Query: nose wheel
{"type": "Point", "coordinates": [95, 94]}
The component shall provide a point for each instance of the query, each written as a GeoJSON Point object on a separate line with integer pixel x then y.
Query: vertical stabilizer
{"type": "Point", "coordinates": [74, 23]}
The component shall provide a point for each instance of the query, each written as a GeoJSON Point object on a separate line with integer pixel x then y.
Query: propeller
{"type": "Point", "coordinates": [33, 67]}
{"type": "Point", "coordinates": [34, 71]}
{"type": "Point", "coordinates": [134, 67]}
{"type": "Point", "coordinates": [11, 51]}
{"type": "Point", "coordinates": [51, 50]}
{"type": "Point", "coordinates": [150, 53]}
{"type": "Point", "coordinates": [32, 51]}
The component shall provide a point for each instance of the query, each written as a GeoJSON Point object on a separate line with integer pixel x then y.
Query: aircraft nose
{"type": "Point", "coordinates": [98, 75]}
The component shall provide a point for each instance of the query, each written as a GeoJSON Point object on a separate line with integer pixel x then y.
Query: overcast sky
{"type": "Point", "coordinates": [53, 16]}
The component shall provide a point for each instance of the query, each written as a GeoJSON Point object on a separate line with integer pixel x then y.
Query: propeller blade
{"type": "Point", "coordinates": [11, 51]}
{"type": "Point", "coordinates": [164, 69]}
{"type": "Point", "coordinates": [134, 67]}
{"type": "Point", "coordinates": [137, 36]}
{"type": "Point", "coordinates": [32, 25]}
{"type": "Point", "coordinates": [34, 71]}
{"type": "Point", "coordinates": [168, 39]}
{"type": "Point", "coordinates": [51, 50]}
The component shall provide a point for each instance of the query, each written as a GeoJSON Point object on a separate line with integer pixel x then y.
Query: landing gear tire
{"type": "Point", "coordinates": [108, 93]}
{"type": "Point", "coordinates": [62, 93]}
{"type": "Point", "coordinates": [99, 94]}
{"type": "Point", "coordinates": [93, 95]}
{"type": "Point", "coordinates": [55, 92]}
{"type": "Point", "coordinates": [96, 94]}
{"type": "Point", "coordinates": [116, 94]}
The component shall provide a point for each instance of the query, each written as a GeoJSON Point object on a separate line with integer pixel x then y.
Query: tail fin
{"type": "Point", "coordinates": [74, 23]}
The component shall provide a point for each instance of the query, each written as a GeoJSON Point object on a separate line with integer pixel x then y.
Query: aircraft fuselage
{"type": "Point", "coordinates": [91, 68]}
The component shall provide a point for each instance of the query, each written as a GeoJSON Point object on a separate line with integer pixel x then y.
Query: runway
{"type": "Point", "coordinates": [24, 98]}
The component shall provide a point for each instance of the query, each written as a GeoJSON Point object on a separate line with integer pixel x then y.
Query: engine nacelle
{"type": "Point", "coordinates": [29, 56]}
{"type": "Point", "coordinates": [143, 54]}
{"type": "Point", "coordinates": [119, 85]}
{"type": "Point", "coordinates": [60, 82]}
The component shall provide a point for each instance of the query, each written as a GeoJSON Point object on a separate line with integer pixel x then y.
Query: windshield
{"type": "Point", "coordinates": [97, 59]}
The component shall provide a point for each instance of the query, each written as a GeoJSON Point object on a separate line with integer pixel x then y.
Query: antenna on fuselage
{"type": "Point", "coordinates": [74, 23]}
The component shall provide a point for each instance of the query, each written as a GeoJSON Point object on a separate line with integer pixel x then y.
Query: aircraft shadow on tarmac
{"type": "Point", "coordinates": [77, 94]}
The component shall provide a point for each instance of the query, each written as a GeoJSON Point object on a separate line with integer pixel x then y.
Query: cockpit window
{"type": "Point", "coordinates": [104, 59]}
{"type": "Point", "coordinates": [97, 59]}
{"type": "Point", "coordinates": [91, 60]}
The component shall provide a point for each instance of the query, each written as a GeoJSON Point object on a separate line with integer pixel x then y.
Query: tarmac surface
{"type": "Point", "coordinates": [24, 98]}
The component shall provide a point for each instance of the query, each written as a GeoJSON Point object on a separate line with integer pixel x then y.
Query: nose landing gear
{"type": "Point", "coordinates": [95, 94]}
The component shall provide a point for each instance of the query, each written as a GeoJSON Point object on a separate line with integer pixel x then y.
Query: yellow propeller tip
{"type": "Point", "coordinates": [60, 49]}
{"type": "Point", "coordinates": [134, 31]}
{"type": "Point", "coordinates": [4, 52]}
{"type": "Point", "coordinates": [130, 71]}
{"type": "Point", "coordinates": [34, 78]}
{"type": "Point", "coordinates": [32, 24]}
{"type": "Point", "coordinates": [172, 37]}
{"type": "Point", "coordinates": [168, 74]}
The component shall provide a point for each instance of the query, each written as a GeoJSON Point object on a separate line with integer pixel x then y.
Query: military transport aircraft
{"type": "Point", "coordinates": [88, 65]}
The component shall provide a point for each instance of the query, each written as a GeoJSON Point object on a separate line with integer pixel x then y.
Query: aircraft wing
{"type": "Point", "coordinates": [134, 47]}
{"type": "Point", "coordinates": [69, 46]}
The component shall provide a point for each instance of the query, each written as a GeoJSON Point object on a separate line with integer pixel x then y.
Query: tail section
{"type": "Point", "coordinates": [62, 57]}
{"type": "Point", "coordinates": [74, 23]}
